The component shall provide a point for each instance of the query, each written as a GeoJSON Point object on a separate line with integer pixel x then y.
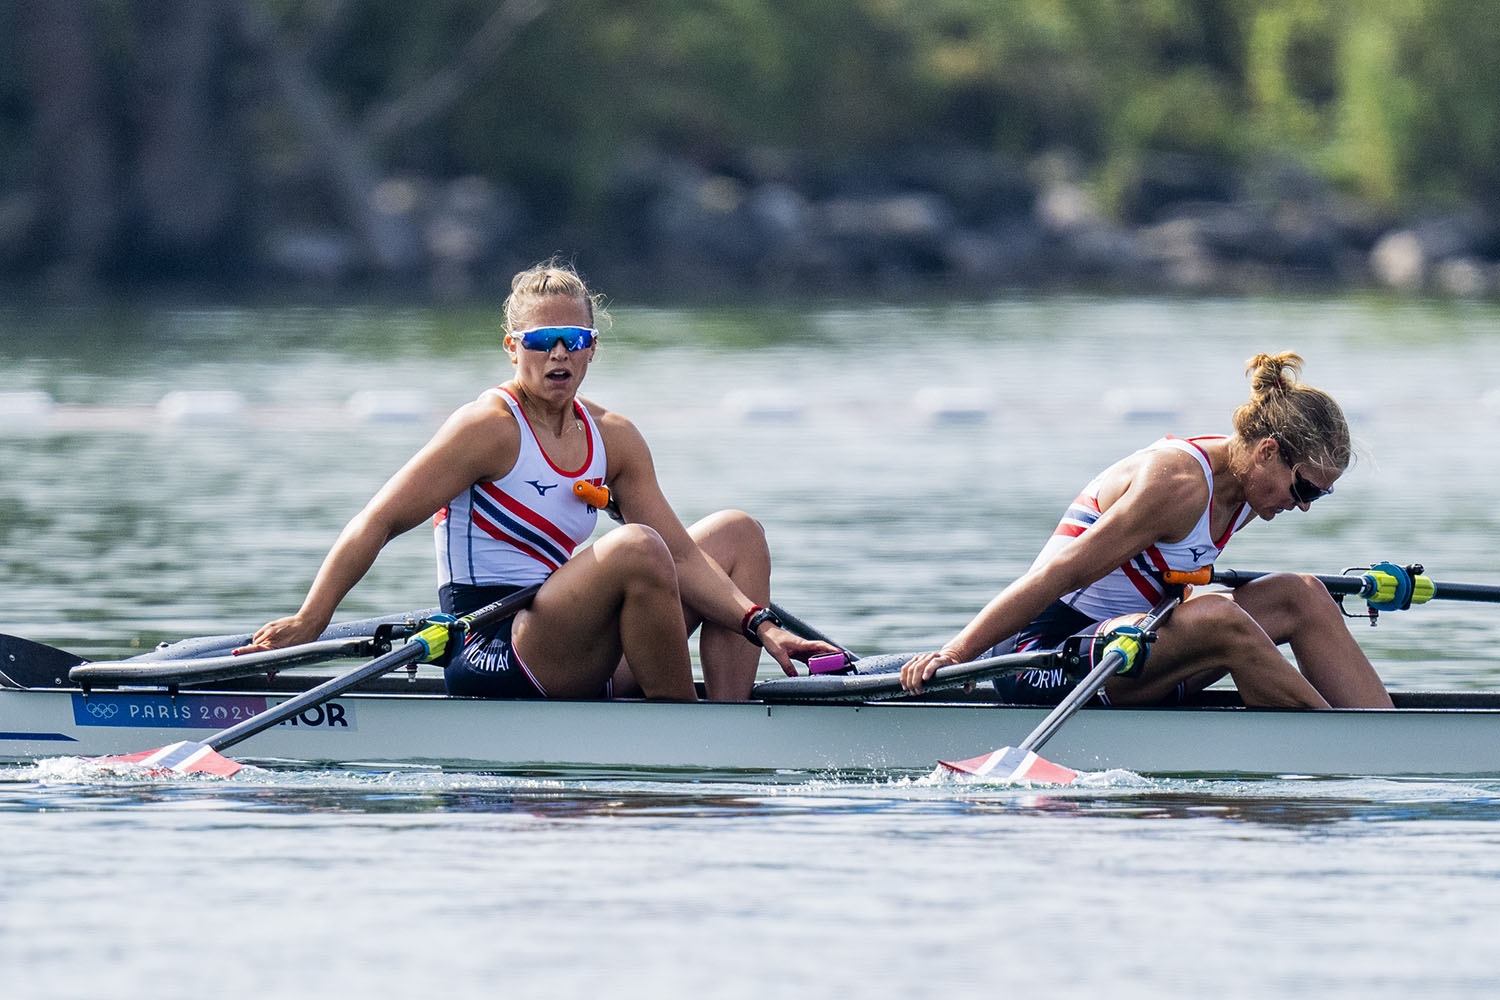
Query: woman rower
{"type": "Point", "coordinates": [498, 481]}
{"type": "Point", "coordinates": [1174, 506]}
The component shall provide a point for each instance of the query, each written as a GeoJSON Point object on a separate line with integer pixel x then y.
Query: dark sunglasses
{"type": "Point", "coordinates": [1304, 491]}
{"type": "Point", "coordinates": [574, 338]}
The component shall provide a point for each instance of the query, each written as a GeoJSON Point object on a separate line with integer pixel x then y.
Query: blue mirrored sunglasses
{"type": "Point", "coordinates": [574, 338]}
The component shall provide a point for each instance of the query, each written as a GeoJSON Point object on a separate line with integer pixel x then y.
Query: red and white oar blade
{"type": "Point", "coordinates": [185, 757]}
{"type": "Point", "coordinates": [1011, 764]}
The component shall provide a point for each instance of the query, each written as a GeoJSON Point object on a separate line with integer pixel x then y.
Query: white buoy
{"type": "Point", "coordinates": [369, 406]}
{"type": "Point", "coordinates": [25, 409]}
{"type": "Point", "coordinates": [956, 405]}
{"type": "Point", "coordinates": [765, 404]}
{"type": "Point", "coordinates": [1132, 406]}
{"type": "Point", "coordinates": [201, 406]}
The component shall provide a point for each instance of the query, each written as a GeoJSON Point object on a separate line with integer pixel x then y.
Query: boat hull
{"type": "Point", "coordinates": [886, 736]}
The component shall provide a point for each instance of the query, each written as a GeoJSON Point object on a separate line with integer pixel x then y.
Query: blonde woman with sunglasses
{"type": "Point", "coordinates": [1174, 505]}
{"type": "Point", "coordinates": [510, 483]}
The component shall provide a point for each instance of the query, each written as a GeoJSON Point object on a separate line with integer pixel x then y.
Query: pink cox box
{"type": "Point", "coordinates": [829, 663]}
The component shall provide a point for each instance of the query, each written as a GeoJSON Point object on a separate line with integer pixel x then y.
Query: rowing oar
{"type": "Point", "coordinates": [1386, 586]}
{"type": "Point", "coordinates": [189, 756]}
{"type": "Point", "coordinates": [1021, 763]}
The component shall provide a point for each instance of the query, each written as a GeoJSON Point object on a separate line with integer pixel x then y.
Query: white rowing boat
{"type": "Point", "coordinates": [841, 723]}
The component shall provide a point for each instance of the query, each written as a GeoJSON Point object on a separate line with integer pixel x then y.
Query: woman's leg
{"type": "Point", "coordinates": [1237, 633]}
{"type": "Point", "coordinates": [737, 542]}
{"type": "Point", "coordinates": [1205, 638]}
{"type": "Point", "coordinates": [1297, 609]}
{"type": "Point", "coordinates": [616, 597]}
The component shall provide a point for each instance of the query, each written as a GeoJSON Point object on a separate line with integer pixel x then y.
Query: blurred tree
{"type": "Point", "coordinates": [340, 156]}
{"type": "Point", "coordinates": [76, 151]}
{"type": "Point", "coordinates": [1455, 128]}
{"type": "Point", "coordinates": [169, 136]}
{"type": "Point", "coordinates": [187, 186]}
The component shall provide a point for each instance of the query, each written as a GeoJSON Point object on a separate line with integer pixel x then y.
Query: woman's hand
{"type": "Point", "coordinates": [920, 668]}
{"type": "Point", "coordinates": [292, 630]}
{"type": "Point", "coordinates": [785, 647]}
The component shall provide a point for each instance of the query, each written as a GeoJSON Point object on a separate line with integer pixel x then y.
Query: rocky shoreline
{"type": "Point", "coordinates": [957, 222]}
{"type": "Point", "coordinates": [971, 223]}
{"type": "Point", "coordinates": [962, 223]}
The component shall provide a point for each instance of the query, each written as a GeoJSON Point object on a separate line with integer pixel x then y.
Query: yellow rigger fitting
{"type": "Point", "coordinates": [434, 638]}
{"type": "Point", "coordinates": [1127, 642]}
{"type": "Point", "coordinates": [1385, 586]}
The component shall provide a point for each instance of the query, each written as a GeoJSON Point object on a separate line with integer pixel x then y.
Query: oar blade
{"type": "Point", "coordinates": [1010, 764]}
{"type": "Point", "coordinates": [184, 757]}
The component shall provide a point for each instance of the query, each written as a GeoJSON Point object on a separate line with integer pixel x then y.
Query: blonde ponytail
{"type": "Point", "coordinates": [1306, 423]}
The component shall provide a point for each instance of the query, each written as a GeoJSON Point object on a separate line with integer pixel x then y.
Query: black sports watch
{"type": "Point", "coordinates": [757, 617]}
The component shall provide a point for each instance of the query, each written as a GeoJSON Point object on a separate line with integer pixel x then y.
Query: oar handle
{"type": "Point", "coordinates": [1359, 586]}
{"type": "Point", "coordinates": [427, 645]}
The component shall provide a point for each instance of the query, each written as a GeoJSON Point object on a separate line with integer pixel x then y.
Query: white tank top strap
{"type": "Point", "coordinates": [518, 529]}
{"type": "Point", "coordinates": [1136, 585]}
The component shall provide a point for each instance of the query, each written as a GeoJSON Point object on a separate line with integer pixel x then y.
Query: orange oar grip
{"type": "Point", "coordinates": [1204, 574]}
{"type": "Point", "coordinates": [594, 496]}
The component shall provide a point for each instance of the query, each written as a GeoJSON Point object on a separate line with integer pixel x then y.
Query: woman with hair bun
{"type": "Point", "coordinates": [1174, 505]}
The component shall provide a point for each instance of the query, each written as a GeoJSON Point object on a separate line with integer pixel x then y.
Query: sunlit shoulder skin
{"type": "Point", "coordinates": [1158, 495]}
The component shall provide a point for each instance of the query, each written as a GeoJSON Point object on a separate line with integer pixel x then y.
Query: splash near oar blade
{"type": "Point", "coordinates": [1012, 764]}
{"type": "Point", "coordinates": [185, 757]}
{"type": "Point", "coordinates": [426, 646]}
{"type": "Point", "coordinates": [1127, 648]}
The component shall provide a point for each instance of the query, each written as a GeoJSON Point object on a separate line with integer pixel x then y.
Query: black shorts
{"type": "Point", "coordinates": [1067, 629]}
{"type": "Point", "coordinates": [487, 666]}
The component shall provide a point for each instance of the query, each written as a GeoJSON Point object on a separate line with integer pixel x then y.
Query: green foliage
{"type": "Point", "coordinates": [1393, 98]}
{"type": "Point", "coordinates": [1376, 114]}
{"type": "Point", "coordinates": [1455, 79]}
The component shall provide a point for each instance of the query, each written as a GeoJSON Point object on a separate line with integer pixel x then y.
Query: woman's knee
{"type": "Point", "coordinates": [1301, 597]}
{"type": "Point", "coordinates": [1309, 589]}
{"type": "Point", "coordinates": [736, 541]}
{"type": "Point", "coordinates": [1215, 620]}
{"type": "Point", "coordinates": [638, 549]}
{"type": "Point", "coordinates": [732, 529]}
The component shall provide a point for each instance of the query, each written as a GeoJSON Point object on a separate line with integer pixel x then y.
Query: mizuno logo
{"type": "Point", "coordinates": [1197, 550]}
{"type": "Point", "coordinates": [541, 490]}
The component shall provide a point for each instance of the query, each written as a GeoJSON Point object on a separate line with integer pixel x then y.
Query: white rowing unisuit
{"type": "Point", "coordinates": [1135, 585]}
{"type": "Point", "coordinates": [518, 529]}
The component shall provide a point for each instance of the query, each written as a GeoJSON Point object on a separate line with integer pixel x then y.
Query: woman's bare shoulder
{"type": "Point", "coordinates": [612, 424]}
{"type": "Point", "coordinates": [482, 436]}
{"type": "Point", "coordinates": [1167, 481]}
